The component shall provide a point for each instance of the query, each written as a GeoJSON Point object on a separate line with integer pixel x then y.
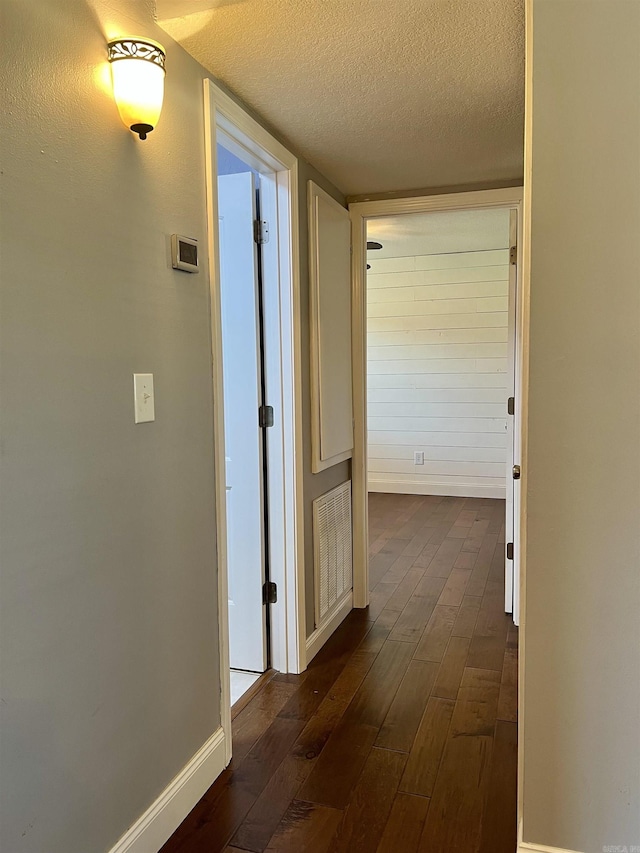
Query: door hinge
{"type": "Point", "coordinates": [509, 550]}
{"type": "Point", "coordinates": [270, 593]}
{"type": "Point", "coordinates": [513, 255]}
{"type": "Point", "coordinates": [511, 406]}
{"type": "Point", "coordinates": [265, 416]}
{"type": "Point", "coordinates": [260, 231]}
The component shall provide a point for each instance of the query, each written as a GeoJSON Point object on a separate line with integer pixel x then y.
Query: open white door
{"type": "Point", "coordinates": [512, 553]}
{"type": "Point", "coordinates": [243, 441]}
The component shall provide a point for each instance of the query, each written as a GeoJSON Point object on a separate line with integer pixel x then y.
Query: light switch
{"type": "Point", "coordinates": [144, 407]}
{"type": "Point", "coordinates": [418, 457]}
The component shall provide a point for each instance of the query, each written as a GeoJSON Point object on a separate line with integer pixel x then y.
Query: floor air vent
{"type": "Point", "coordinates": [333, 567]}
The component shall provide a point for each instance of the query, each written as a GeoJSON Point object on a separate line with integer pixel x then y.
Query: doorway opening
{"type": "Point", "coordinates": [438, 359]}
{"type": "Point", "coordinates": [245, 424]}
{"type": "Point", "coordinates": [252, 202]}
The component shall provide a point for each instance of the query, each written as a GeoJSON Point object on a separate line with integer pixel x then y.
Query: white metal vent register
{"type": "Point", "coordinates": [333, 569]}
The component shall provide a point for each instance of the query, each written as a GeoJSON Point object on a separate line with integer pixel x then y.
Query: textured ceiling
{"type": "Point", "coordinates": [379, 95]}
{"type": "Point", "coordinates": [438, 233]}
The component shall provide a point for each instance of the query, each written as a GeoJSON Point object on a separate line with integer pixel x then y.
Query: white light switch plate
{"type": "Point", "coordinates": [144, 402]}
{"type": "Point", "coordinates": [418, 457]}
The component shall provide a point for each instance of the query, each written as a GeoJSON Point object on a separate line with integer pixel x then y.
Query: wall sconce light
{"type": "Point", "coordinates": [137, 70]}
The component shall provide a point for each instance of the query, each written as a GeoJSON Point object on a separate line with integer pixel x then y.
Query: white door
{"type": "Point", "coordinates": [243, 439]}
{"type": "Point", "coordinates": [512, 552]}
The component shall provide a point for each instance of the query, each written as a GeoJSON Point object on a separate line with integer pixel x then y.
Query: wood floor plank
{"type": "Point", "coordinates": [378, 598]}
{"type": "Point", "coordinates": [252, 722]}
{"type": "Point", "coordinates": [451, 507]}
{"type": "Point", "coordinates": [454, 820]}
{"type": "Point", "coordinates": [403, 592]}
{"type": "Point", "coordinates": [419, 540]}
{"type": "Point", "coordinates": [398, 570]}
{"type": "Point", "coordinates": [446, 555]}
{"type": "Point", "coordinates": [480, 572]}
{"type": "Point", "coordinates": [388, 618]}
{"type": "Point", "coordinates": [439, 535]}
{"type": "Point", "coordinates": [375, 638]}
{"type": "Point", "coordinates": [366, 815]}
{"type": "Point", "coordinates": [333, 707]}
{"type": "Point", "coordinates": [396, 545]}
{"type": "Point", "coordinates": [457, 532]}
{"type": "Point", "coordinates": [508, 700]}
{"type": "Point", "coordinates": [493, 596]}
{"type": "Point", "coordinates": [467, 617]}
{"type": "Point", "coordinates": [404, 827]}
{"type": "Point", "coordinates": [401, 723]}
{"type": "Point", "coordinates": [466, 517]}
{"type": "Point", "coordinates": [326, 666]}
{"type": "Point", "coordinates": [305, 826]}
{"type": "Point", "coordinates": [339, 765]}
{"type": "Point", "coordinates": [424, 759]}
{"type": "Point", "coordinates": [270, 807]}
{"type": "Point", "coordinates": [377, 544]}
{"type": "Point", "coordinates": [476, 535]}
{"type": "Point", "coordinates": [499, 830]}
{"type": "Point", "coordinates": [372, 701]}
{"type": "Point", "coordinates": [452, 668]}
{"type": "Point", "coordinates": [489, 641]}
{"type": "Point", "coordinates": [426, 555]}
{"type": "Point", "coordinates": [455, 587]}
{"type": "Point", "coordinates": [465, 560]}
{"type": "Point", "coordinates": [341, 761]}
{"type": "Point", "coordinates": [380, 564]}
{"type": "Point", "coordinates": [435, 638]}
{"type": "Point", "coordinates": [414, 618]}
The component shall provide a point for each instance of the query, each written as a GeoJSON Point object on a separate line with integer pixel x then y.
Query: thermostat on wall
{"type": "Point", "coordinates": [184, 253]}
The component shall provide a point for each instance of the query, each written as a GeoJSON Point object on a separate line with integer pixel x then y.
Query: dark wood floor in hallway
{"type": "Point", "coordinates": [401, 735]}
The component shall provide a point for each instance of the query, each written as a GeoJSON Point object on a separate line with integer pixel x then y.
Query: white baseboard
{"type": "Point", "coordinates": [526, 847]}
{"type": "Point", "coordinates": [320, 636]}
{"type": "Point", "coordinates": [408, 487]}
{"type": "Point", "coordinates": [164, 816]}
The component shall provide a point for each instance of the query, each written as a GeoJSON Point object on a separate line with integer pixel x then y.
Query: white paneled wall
{"type": "Point", "coordinates": [437, 373]}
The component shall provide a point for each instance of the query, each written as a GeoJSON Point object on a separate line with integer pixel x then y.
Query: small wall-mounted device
{"type": "Point", "coordinates": [184, 253]}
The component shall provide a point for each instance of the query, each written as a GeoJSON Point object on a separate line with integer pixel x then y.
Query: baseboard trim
{"type": "Point", "coordinates": [320, 636]}
{"type": "Point", "coordinates": [526, 847]}
{"type": "Point", "coordinates": [165, 815]}
{"type": "Point", "coordinates": [408, 487]}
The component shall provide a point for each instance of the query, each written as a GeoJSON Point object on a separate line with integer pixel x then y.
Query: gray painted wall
{"type": "Point", "coordinates": [109, 667]}
{"type": "Point", "coordinates": [582, 632]}
{"type": "Point", "coordinates": [109, 641]}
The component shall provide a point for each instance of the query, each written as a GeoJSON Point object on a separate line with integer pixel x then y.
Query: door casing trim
{"type": "Point", "coordinates": [288, 627]}
{"type": "Point", "coordinates": [360, 212]}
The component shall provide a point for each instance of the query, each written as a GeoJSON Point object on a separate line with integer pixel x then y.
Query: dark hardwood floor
{"type": "Point", "coordinates": [401, 735]}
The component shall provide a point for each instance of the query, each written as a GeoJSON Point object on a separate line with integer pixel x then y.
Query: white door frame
{"type": "Point", "coordinates": [360, 213]}
{"type": "Point", "coordinates": [226, 121]}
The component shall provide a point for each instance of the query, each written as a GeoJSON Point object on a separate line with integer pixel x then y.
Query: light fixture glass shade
{"type": "Point", "coordinates": [137, 70]}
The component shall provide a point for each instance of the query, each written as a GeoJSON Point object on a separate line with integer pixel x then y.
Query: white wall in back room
{"type": "Point", "coordinates": [437, 373]}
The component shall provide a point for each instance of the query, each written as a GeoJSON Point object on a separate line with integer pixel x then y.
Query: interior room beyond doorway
{"type": "Point", "coordinates": [438, 354]}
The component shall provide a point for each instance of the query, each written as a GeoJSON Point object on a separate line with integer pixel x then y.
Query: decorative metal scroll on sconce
{"type": "Point", "coordinates": [136, 49]}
